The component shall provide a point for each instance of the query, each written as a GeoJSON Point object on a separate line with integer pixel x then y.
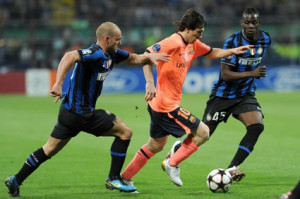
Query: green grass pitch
{"type": "Point", "coordinates": [80, 169]}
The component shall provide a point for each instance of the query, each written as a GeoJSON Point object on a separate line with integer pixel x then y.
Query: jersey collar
{"type": "Point", "coordinates": [186, 43]}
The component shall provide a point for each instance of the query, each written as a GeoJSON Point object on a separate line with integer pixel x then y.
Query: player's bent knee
{"type": "Point", "coordinates": [204, 131]}
{"type": "Point", "coordinates": [126, 133]}
{"type": "Point", "coordinates": [257, 128]}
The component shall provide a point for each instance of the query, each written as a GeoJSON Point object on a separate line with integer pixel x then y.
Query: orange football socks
{"type": "Point", "coordinates": [137, 163]}
{"type": "Point", "coordinates": [187, 148]}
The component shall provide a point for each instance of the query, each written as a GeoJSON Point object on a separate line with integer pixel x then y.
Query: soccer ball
{"type": "Point", "coordinates": [219, 180]}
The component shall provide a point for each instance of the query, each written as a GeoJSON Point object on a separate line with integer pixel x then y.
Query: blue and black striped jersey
{"type": "Point", "coordinates": [241, 63]}
{"type": "Point", "coordinates": [85, 84]}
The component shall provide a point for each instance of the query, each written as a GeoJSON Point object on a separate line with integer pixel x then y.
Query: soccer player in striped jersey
{"type": "Point", "coordinates": [167, 117]}
{"type": "Point", "coordinates": [77, 111]}
{"type": "Point", "coordinates": [234, 93]}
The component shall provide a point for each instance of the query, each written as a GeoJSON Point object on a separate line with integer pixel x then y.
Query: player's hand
{"type": "Point", "coordinates": [259, 72]}
{"type": "Point", "coordinates": [56, 92]}
{"type": "Point", "coordinates": [243, 49]}
{"type": "Point", "coordinates": [154, 57]}
{"type": "Point", "coordinates": [150, 91]}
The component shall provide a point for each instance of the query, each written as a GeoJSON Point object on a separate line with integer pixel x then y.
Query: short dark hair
{"type": "Point", "coordinates": [191, 20]}
{"type": "Point", "coordinates": [249, 11]}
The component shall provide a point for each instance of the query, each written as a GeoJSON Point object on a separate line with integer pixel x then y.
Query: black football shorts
{"type": "Point", "coordinates": [176, 123]}
{"type": "Point", "coordinates": [219, 109]}
{"type": "Point", "coordinates": [69, 124]}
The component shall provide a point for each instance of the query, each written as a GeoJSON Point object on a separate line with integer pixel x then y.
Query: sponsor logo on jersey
{"type": "Point", "coordinates": [250, 61]}
{"type": "Point", "coordinates": [181, 64]}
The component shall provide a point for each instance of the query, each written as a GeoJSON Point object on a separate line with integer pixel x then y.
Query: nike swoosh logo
{"type": "Point", "coordinates": [118, 186]}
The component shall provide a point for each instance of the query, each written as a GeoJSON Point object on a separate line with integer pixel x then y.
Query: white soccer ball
{"type": "Point", "coordinates": [219, 180]}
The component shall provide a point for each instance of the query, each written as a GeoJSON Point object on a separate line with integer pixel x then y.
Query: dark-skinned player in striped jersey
{"type": "Point", "coordinates": [234, 92]}
{"type": "Point", "coordinates": [77, 110]}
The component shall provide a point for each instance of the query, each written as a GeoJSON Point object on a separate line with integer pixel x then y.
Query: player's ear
{"type": "Point", "coordinates": [106, 39]}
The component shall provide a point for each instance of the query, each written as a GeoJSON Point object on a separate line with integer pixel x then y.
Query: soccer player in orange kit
{"type": "Point", "coordinates": [167, 117]}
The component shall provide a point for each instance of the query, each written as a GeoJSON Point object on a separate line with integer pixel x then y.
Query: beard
{"type": "Point", "coordinates": [111, 50]}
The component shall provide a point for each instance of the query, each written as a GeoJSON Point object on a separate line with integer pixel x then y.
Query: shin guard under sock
{"type": "Point", "coordinates": [137, 163]}
{"type": "Point", "coordinates": [247, 144]}
{"type": "Point", "coordinates": [32, 163]}
{"type": "Point", "coordinates": [118, 154]}
{"type": "Point", "coordinates": [187, 148]}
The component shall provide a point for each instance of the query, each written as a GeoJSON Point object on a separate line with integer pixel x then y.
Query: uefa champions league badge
{"type": "Point", "coordinates": [156, 47]}
{"type": "Point", "coordinates": [252, 51]}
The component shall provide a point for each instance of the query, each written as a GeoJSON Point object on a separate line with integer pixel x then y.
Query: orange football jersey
{"type": "Point", "coordinates": [171, 75]}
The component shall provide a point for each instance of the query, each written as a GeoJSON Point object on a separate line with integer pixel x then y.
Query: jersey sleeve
{"type": "Point", "coordinates": [201, 49]}
{"type": "Point", "coordinates": [121, 55]}
{"type": "Point", "coordinates": [91, 54]}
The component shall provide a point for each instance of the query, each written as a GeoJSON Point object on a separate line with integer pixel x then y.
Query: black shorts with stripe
{"type": "Point", "coordinates": [219, 109]}
{"type": "Point", "coordinates": [176, 123]}
{"type": "Point", "coordinates": [69, 124]}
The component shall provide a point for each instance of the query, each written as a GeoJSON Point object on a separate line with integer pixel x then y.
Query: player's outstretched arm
{"type": "Point", "coordinates": [150, 91]}
{"type": "Point", "coordinates": [64, 66]}
{"type": "Point", "coordinates": [218, 53]}
{"type": "Point", "coordinates": [141, 59]}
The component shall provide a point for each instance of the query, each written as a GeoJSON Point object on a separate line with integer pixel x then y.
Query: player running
{"type": "Point", "coordinates": [77, 111]}
{"type": "Point", "coordinates": [167, 117]}
{"type": "Point", "coordinates": [235, 90]}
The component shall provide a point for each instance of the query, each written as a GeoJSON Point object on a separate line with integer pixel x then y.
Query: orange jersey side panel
{"type": "Point", "coordinates": [171, 75]}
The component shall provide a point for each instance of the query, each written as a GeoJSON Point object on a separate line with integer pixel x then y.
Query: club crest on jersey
{"type": "Point", "coordinates": [156, 47]}
{"type": "Point", "coordinates": [107, 64]}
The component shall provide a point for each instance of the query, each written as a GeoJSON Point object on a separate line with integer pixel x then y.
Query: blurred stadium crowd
{"type": "Point", "coordinates": [36, 33]}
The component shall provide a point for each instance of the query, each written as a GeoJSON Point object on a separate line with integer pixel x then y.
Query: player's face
{"type": "Point", "coordinates": [250, 25]}
{"type": "Point", "coordinates": [114, 42]}
{"type": "Point", "coordinates": [193, 35]}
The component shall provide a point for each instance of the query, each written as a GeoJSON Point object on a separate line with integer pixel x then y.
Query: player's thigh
{"type": "Point", "coordinates": [100, 124]}
{"type": "Point", "coordinates": [248, 111]}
